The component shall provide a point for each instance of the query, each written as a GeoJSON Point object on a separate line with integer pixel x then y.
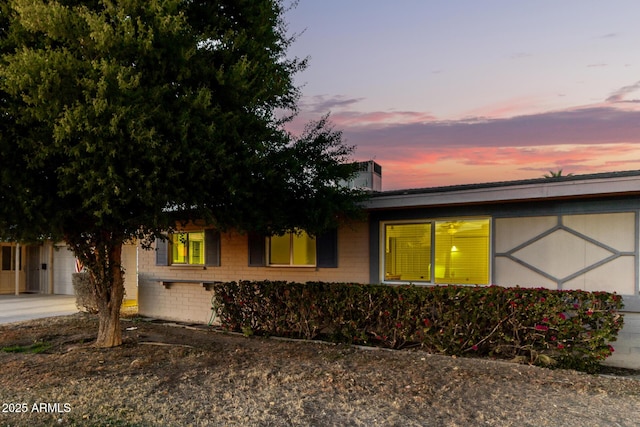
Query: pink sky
{"type": "Point", "coordinates": [443, 93]}
{"type": "Point", "coordinates": [417, 150]}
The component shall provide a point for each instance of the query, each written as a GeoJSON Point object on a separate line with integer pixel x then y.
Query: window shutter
{"type": "Point", "coordinates": [257, 249]}
{"type": "Point", "coordinates": [327, 249]}
{"type": "Point", "coordinates": [162, 252]}
{"type": "Point", "coordinates": [212, 248]}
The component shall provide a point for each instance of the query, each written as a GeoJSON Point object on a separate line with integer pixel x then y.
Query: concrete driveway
{"type": "Point", "coordinates": [29, 306]}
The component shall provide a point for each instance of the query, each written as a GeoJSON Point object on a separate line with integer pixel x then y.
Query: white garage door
{"type": "Point", "coordinates": [64, 265]}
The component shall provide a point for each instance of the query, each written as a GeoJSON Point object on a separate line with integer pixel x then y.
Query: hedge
{"type": "Point", "coordinates": [567, 329]}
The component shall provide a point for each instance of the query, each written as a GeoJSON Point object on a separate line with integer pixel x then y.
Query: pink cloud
{"type": "Point", "coordinates": [620, 94]}
{"type": "Point", "coordinates": [417, 150]}
{"type": "Point", "coordinates": [379, 118]}
{"type": "Point", "coordinates": [509, 108]}
{"type": "Point", "coordinates": [470, 165]}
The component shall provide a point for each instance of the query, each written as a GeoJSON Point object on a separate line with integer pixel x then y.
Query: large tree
{"type": "Point", "coordinates": [120, 117]}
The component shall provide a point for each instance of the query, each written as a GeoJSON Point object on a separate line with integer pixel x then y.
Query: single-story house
{"type": "Point", "coordinates": [573, 232]}
{"type": "Point", "coordinates": [47, 268]}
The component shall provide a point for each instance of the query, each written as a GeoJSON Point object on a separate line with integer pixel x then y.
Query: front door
{"type": "Point", "coordinates": [34, 282]}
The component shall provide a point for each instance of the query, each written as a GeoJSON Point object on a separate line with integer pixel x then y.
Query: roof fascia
{"type": "Point", "coordinates": [587, 188]}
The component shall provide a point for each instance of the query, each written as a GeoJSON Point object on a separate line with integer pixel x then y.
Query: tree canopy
{"type": "Point", "coordinates": [120, 117]}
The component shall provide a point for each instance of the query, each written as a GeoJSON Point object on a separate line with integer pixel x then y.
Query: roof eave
{"type": "Point", "coordinates": [552, 189]}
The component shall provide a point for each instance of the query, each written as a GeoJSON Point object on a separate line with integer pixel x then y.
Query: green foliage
{"type": "Point", "coordinates": [125, 116]}
{"type": "Point", "coordinates": [35, 348]}
{"type": "Point", "coordinates": [556, 174]}
{"type": "Point", "coordinates": [83, 290]}
{"type": "Point", "coordinates": [570, 329]}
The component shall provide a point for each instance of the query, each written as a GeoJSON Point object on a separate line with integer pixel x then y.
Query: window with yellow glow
{"type": "Point", "coordinates": [443, 252]}
{"type": "Point", "coordinates": [187, 248]}
{"type": "Point", "coordinates": [292, 249]}
{"type": "Point", "coordinates": [408, 252]}
{"type": "Point", "coordinates": [462, 251]}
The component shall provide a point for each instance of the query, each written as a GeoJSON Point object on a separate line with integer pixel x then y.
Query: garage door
{"type": "Point", "coordinates": [64, 265]}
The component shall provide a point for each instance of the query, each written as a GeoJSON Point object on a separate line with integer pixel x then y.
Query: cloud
{"type": "Point", "coordinates": [323, 104]}
{"type": "Point", "coordinates": [379, 118]}
{"type": "Point", "coordinates": [416, 149]}
{"type": "Point", "coordinates": [451, 166]}
{"type": "Point", "coordinates": [519, 55]}
{"type": "Point", "coordinates": [620, 94]}
{"type": "Point", "coordinates": [597, 125]}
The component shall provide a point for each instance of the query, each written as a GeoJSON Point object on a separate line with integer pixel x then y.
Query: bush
{"type": "Point", "coordinates": [85, 299]}
{"type": "Point", "coordinates": [569, 329]}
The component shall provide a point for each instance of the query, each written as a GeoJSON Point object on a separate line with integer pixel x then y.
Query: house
{"type": "Point", "coordinates": [47, 268]}
{"type": "Point", "coordinates": [575, 232]}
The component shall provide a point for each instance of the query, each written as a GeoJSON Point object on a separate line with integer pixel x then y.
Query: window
{"type": "Point", "coordinates": [187, 248]}
{"type": "Point", "coordinates": [295, 248]}
{"type": "Point", "coordinates": [450, 251]}
{"type": "Point", "coordinates": [9, 258]}
{"type": "Point", "coordinates": [408, 252]}
{"type": "Point", "coordinates": [321, 252]}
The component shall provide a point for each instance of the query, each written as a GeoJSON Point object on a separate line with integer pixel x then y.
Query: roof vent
{"type": "Point", "coordinates": [369, 177]}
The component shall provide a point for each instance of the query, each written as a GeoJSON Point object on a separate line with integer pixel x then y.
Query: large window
{"type": "Point", "coordinates": [296, 248]}
{"type": "Point", "coordinates": [187, 248]}
{"type": "Point", "coordinates": [437, 251]}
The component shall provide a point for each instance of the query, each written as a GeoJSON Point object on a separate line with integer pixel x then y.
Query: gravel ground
{"type": "Point", "coordinates": [180, 375]}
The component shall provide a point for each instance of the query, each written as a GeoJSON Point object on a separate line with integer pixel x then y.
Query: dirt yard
{"type": "Point", "coordinates": [172, 375]}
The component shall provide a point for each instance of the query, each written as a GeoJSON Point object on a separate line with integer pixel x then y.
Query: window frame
{"type": "Point", "coordinates": [433, 249]}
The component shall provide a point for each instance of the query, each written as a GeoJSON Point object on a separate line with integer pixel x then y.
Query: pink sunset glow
{"type": "Point", "coordinates": [516, 96]}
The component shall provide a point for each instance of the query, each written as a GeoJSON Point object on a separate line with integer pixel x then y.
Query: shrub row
{"type": "Point", "coordinates": [569, 329]}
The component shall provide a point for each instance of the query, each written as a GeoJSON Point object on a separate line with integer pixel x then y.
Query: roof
{"type": "Point", "coordinates": [572, 186]}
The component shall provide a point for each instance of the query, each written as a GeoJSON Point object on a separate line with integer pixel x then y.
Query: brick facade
{"type": "Point", "coordinates": [191, 302]}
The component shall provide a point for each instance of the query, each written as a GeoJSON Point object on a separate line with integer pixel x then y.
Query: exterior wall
{"type": "Point", "coordinates": [591, 252]}
{"type": "Point", "coordinates": [192, 302]}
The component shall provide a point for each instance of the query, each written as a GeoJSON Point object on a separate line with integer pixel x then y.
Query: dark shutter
{"type": "Point", "coordinates": [327, 249]}
{"type": "Point", "coordinates": [162, 252]}
{"type": "Point", "coordinates": [212, 247]}
{"type": "Point", "coordinates": [257, 249]}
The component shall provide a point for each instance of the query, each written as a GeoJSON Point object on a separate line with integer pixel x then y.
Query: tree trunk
{"type": "Point", "coordinates": [109, 289]}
